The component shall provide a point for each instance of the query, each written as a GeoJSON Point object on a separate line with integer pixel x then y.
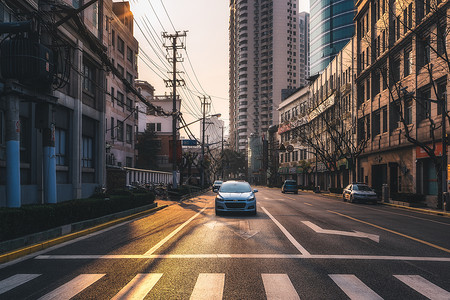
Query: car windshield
{"type": "Point", "coordinates": [290, 183]}
{"type": "Point", "coordinates": [360, 187]}
{"type": "Point", "coordinates": [218, 182]}
{"type": "Point", "coordinates": [235, 187]}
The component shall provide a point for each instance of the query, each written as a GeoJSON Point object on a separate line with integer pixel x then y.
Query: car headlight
{"type": "Point", "coordinates": [252, 198]}
{"type": "Point", "coordinates": [218, 197]}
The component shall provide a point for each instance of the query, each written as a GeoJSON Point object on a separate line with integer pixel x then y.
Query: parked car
{"type": "Point", "coordinates": [236, 196]}
{"type": "Point", "coordinates": [216, 185]}
{"type": "Point", "coordinates": [359, 192]}
{"type": "Point", "coordinates": [289, 186]}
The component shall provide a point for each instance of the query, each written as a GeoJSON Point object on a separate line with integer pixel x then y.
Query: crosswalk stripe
{"type": "Point", "coordinates": [423, 286]}
{"type": "Point", "coordinates": [209, 286]}
{"type": "Point", "coordinates": [73, 287]}
{"type": "Point", "coordinates": [279, 286]}
{"type": "Point", "coordinates": [353, 287]}
{"type": "Point", "coordinates": [139, 286]}
{"type": "Point", "coordinates": [14, 281]}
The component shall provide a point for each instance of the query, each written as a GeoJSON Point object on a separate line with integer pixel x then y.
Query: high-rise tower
{"type": "Point", "coordinates": [303, 38]}
{"type": "Point", "coordinates": [331, 28]}
{"type": "Point", "coordinates": [264, 59]}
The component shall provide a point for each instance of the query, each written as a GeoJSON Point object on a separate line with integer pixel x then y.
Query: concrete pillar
{"type": "Point", "coordinates": [77, 121]}
{"type": "Point", "coordinates": [12, 127]}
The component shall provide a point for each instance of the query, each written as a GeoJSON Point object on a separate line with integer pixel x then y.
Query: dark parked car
{"type": "Point", "coordinates": [289, 186]}
{"type": "Point", "coordinates": [236, 196]}
{"type": "Point", "coordinates": [359, 192]}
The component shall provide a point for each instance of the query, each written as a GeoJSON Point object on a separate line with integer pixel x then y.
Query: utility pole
{"type": "Point", "coordinates": [444, 153]}
{"type": "Point", "coordinates": [206, 102]}
{"type": "Point", "coordinates": [221, 156]}
{"type": "Point", "coordinates": [173, 39]}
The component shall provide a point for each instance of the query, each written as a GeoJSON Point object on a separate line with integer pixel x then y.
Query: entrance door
{"type": "Point", "coordinates": [393, 179]}
{"type": "Point", "coordinates": [379, 176]}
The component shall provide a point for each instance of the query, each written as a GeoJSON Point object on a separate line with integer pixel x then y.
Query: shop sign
{"type": "Point", "coordinates": [299, 170]}
{"type": "Point", "coordinates": [284, 128]}
{"type": "Point", "coordinates": [292, 170]}
{"type": "Point", "coordinates": [321, 108]}
{"type": "Point", "coordinates": [420, 153]}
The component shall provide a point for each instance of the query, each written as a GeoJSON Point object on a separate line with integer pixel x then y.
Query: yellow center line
{"type": "Point", "coordinates": [394, 232]}
{"type": "Point", "coordinates": [308, 204]}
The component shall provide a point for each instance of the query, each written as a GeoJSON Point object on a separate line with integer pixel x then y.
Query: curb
{"type": "Point", "coordinates": [49, 243]}
{"type": "Point", "coordinates": [423, 210]}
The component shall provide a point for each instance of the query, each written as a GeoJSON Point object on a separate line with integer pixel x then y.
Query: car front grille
{"type": "Point", "coordinates": [235, 205]}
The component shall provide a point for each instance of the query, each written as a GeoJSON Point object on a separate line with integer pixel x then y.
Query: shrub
{"type": "Point", "coordinates": [16, 222]}
{"type": "Point", "coordinates": [336, 190]}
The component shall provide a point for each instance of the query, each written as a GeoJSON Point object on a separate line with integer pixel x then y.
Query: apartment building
{"type": "Point", "coordinates": [121, 109]}
{"type": "Point", "coordinates": [295, 155]}
{"type": "Point", "coordinates": [158, 120]}
{"type": "Point", "coordinates": [331, 28]}
{"type": "Point", "coordinates": [401, 87]}
{"type": "Point", "coordinates": [264, 59]}
{"type": "Point", "coordinates": [52, 128]}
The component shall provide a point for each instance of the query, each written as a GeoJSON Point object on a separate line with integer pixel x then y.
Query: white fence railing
{"type": "Point", "coordinates": [148, 176]}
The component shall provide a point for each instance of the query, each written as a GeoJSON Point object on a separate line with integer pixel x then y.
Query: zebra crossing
{"type": "Point", "coordinates": [211, 286]}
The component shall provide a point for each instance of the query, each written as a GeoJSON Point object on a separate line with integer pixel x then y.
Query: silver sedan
{"type": "Point", "coordinates": [236, 196]}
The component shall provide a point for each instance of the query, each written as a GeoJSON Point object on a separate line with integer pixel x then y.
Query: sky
{"type": "Point", "coordinates": [205, 63]}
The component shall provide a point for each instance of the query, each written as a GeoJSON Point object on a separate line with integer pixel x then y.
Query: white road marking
{"type": "Point", "coordinates": [73, 287]}
{"type": "Point", "coordinates": [138, 287]}
{"type": "Point", "coordinates": [373, 237]}
{"type": "Point", "coordinates": [246, 256]}
{"type": "Point", "coordinates": [14, 281]}
{"type": "Point", "coordinates": [424, 287]}
{"type": "Point", "coordinates": [279, 286]}
{"type": "Point", "coordinates": [163, 241]}
{"type": "Point", "coordinates": [244, 230]}
{"type": "Point", "coordinates": [209, 286]}
{"type": "Point", "coordinates": [287, 234]}
{"type": "Point", "coordinates": [353, 287]}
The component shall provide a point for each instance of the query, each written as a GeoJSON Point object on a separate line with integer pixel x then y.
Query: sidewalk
{"type": "Point", "coordinates": [13, 249]}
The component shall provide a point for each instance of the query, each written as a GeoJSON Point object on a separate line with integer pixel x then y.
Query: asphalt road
{"type": "Point", "coordinates": [304, 246]}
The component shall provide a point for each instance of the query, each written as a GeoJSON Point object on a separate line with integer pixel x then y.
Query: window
{"type": "Point", "coordinates": [407, 62]}
{"type": "Point", "coordinates": [129, 78]}
{"type": "Point", "coordinates": [88, 78]}
{"type": "Point", "coordinates": [112, 128]}
{"type": "Point", "coordinates": [60, 146]}
{"type": "Point", "coordinates": [385, 118]}
{"type": "Point", "coordinates": [129, 162]}
{"type": "Point", "coordinates": [375, 84]}
{"type": "Point", "coordinates": [129, 134]}
{"type": "Point", "coordinates": [119, 131]}
{"type": "Point", "coordinates": [129, 104]}
{"type": "Point", "coordinates": [120, 98]}
{"type": "Point", "coordinates": [120, 45]}
{"type": "Point", "coordinates": [112, 95]}
{"type": "Point", "coordinates": [423, 104]}
{"type": "Point", "coordinates": [376, 123]}
{"type": "Point", "coordinates": [395, 65]}
{"type": "Point", "coordinates": [441, 35]}
{"type": "Point", "coordinates": [441, 95]}
{"type": "Point", "coordinates": [87, 160]}
{"type": "Point", "coordinates": [120, 69]}
{"type": "Point", "coordinates": [113, 38]}
{"type": "Point", "coordinates": [130, 55]}
{"type": "Point", "coordinates": [408, 112]}
{"type": "Point", "coordinates": [151, 127]}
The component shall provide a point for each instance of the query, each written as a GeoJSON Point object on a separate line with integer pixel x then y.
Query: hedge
{"type": "Point", "coordinates": [17, 222]}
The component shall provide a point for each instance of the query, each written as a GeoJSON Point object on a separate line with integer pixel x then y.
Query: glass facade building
{"type": "Point", "coordinates": [331, 28]}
